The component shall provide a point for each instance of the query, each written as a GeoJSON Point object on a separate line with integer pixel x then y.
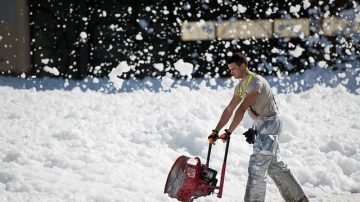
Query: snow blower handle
{"type": "Point", "coordinates": [219, 194]}
{"type": "Point", "coordinates": [212, 138]}
{"type": "Point", "coordinates": [208, 156]}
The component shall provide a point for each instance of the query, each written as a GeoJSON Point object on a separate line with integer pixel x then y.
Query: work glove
{"type": "Point", "coordinates": [225, 135]}
{"type": "Point", "coordinates": [250, 135]}
{"type": "Point", "coordinates": [213, 137]}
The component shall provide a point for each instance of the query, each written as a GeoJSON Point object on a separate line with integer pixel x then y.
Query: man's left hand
{"type": "Point", "coordinates": [225, 135]}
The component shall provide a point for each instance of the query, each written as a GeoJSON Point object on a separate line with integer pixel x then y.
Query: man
{"type": "Point", "coordinates": [254, 95]}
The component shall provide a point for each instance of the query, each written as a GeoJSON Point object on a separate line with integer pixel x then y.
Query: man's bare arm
{"type": "Point", "coordinates": [228, 111]}
{"type": "Point", "coordinates": [239, 114]}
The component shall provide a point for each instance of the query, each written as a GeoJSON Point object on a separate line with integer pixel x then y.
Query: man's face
{"type": "Point", "coordinates": [236, 70]}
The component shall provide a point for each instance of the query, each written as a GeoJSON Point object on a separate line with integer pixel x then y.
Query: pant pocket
{"type": "Point", "coordinates": [265, 145]}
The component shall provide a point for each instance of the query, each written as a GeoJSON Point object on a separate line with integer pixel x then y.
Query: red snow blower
{"type": "Point", "coordinates": [188, 179]}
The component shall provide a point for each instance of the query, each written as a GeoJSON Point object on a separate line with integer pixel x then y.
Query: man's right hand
{"type": "Point", "coordinates": [213, 137]}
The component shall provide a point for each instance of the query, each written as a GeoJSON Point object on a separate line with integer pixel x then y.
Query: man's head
{"type": "Point", "coordinates": [238, 65]}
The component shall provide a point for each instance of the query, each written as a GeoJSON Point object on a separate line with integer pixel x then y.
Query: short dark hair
{"type": "Point", "coordinates": [237, 58]}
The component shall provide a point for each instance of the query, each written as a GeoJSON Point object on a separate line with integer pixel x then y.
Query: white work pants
{"type": "Point", "coordinates": [264, 160]}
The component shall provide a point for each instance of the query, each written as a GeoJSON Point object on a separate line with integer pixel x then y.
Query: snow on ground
{"type": "Point", "coordinates": [74, 145]}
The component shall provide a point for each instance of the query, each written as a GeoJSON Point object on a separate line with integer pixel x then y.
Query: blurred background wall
{"type": "Point", "coordinates": [14, 37]}
{"type": "Point", "coordinates": [77, 38]}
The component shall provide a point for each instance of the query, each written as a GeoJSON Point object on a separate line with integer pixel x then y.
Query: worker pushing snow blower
{"type": "Point", "coordinates": [188, 179]}
{"type": "Point", "coordinates": [252, 94]}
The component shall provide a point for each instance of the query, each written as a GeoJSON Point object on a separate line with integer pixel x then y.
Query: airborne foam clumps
{"type": "Point", "coordinates": [184, 68]}
{"type": "Point", "coordinates": [115, 73]}
{"type": "Point", "coordinates": [52, 70]}
{"type": "Point", "coordinates": [166, 82]}
{"type": "Point", "coordinates": [297, 51]}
